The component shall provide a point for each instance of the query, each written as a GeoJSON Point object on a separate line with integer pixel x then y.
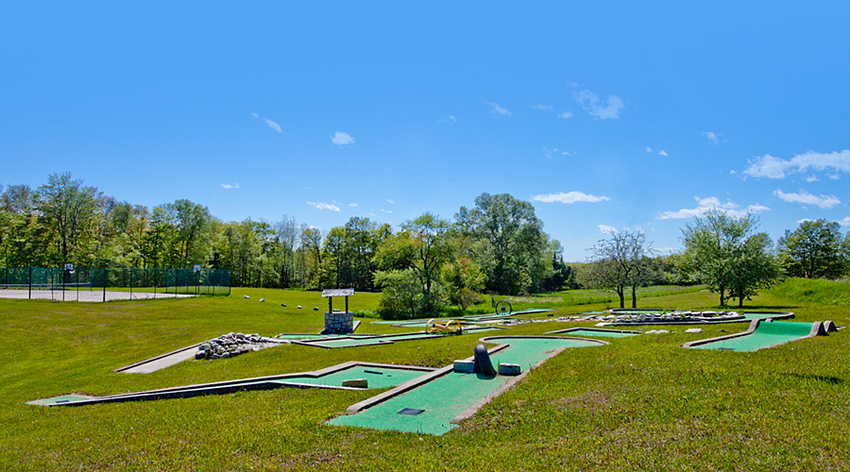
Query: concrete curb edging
{"type": "Point", "coordinates": [156, 358]}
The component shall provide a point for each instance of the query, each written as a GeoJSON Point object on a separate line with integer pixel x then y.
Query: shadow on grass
{"type": "Point", "coordinates": [821, 378]}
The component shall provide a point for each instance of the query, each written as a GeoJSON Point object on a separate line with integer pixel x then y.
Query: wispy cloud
{"type": "Point", "coordinates": [607, 229]}
{"type": "Point", "coordinates": [269, 122]}
{"type": "Point", "coordinates": [390, 201]}
{"type": "Point", "coordinates": [565, 115]}
{"type": "Point", "coordinates": [713, 138]}
{"type": "Point", "coordinates": [569, 197]}
{"type": "Point", "coordinates": [324, 206]}
{"type": "Point", "coordinates": [771, 167]}
{"type": "Point", "coordinates": [648, 149]}
{"type": "Point", "coordinates": [386, 211]}
{"type": "Point", "coordinates": [451, 120]}
{"type": "Point", "coordinates": [273, 125]}
{"type": "Point", "coordinates": [845, 221]}
{"type": "Point", "coordinates": [822, 201]}
{"type": "Point", "coordinates": [663, 153]}
{"type": "Point", "coordinates": [811, 179]}
{"type": "Point", "coordinates": [352, 205]}
{"type": "Point", "coordinates": [542, 107]}
{"type": "Point", "coordinates": [709, 203]}
{"type": "Point", "coordinates": [229, 186]}
{"type": "Point", "coordinates": [498, 109]}
{"type": "Point", "coordinates": [591, 103]}
{"type": "Point", "coordinates": [548, 152]}
{"type": "Point", "coordinates": [342, 139]}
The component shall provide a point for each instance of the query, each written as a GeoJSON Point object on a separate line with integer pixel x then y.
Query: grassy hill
{"type": "Point", "coordinates": [641, 403]}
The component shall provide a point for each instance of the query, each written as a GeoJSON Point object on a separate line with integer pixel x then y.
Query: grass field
{"type": "Point", "coordinates": [641, 403]}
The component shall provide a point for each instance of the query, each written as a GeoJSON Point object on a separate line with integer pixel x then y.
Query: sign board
{"type": "Point", "coordinates": [196, 268]}
{"type": "Point", "coordinates": [69, 267]}
{"type": "Point", "coordinates": [338, 292]}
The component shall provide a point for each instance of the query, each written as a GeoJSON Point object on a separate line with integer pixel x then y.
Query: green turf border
{"type": "Point", "coordinates": [818, 329]}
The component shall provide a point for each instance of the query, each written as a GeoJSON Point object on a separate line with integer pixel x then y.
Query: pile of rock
{"type": "Point", "coordinates": [234, 344]}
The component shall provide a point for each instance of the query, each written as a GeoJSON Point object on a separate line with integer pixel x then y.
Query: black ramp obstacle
{"type": "Point", "coordinates": [482, 361]}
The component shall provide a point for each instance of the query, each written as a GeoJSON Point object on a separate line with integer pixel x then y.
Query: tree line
{"type": "Point", "coordinates": [726, 253]}
{"type": "Point", "coordinates": [496, 246]}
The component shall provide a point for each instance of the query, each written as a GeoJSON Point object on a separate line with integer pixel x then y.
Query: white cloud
{"type": "Point", "coordinates": [323, 206]}
{"type": "Point", "coordinates": [648, 149]}
{"type": "Point", "coordinates": [390, 201]}
{"type": "Point", "coordinates": [269, 122]}
{"type": "Point", "coordinates": [542, 107]}
{"type": "Point", "coordinates": [709, 203]}
{"type": "Point", "coordinates": [799, 222]}
{"type": "Point", "coordinates": [273, 125]}
{"type": "Point", "coordinates": [663, 153]}
{"type": "Point", "coordinates": [607, 229]}
{"type": "Point", "coordinates": [341, 139]}
{"type": "Point", "coordinates": [498, 109]}
{"type": "Point", "coordinates": [569, 197]}
{"type": "Point", "coordinates": [565, 115]}
{"type": "Point", "coordinates": [352, 205]}
{"type": "Point", "coordinates": [386, 211]}
{"type": "Point", "coordinates": [451, 119]}
{"type": "Point", "coordinates": [822, 201]}
{"type": "Point", "coordinates": [811, 179]}
{"type": "Point", "coordinates": [775, 168]}
{"type": "Point", "coordinates": [845, 221]}
{"type": "Point", "coordinates": [713, 138]}
{"type": "Point", "coordinates": [228, 186]}
{"type": "Point", "coordinates": [593, 105]}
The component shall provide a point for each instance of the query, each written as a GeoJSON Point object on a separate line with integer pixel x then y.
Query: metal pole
{"type": "Point", "coordinates": [105, 281]}
{"type": "Point", "coordinates": [131, 283]}
{"type": "Point", "coordinates": [29, 297]}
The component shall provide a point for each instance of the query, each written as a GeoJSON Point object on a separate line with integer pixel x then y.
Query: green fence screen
{"type": "Point", "coordinates": [112, 284]}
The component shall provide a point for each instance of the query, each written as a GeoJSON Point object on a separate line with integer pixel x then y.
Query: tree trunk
{"type": "Point", "coordinates": [634, 296]}
{"type": "Point", "coordinates": [722, 297]}
{"type": "Point", "coordinates": [621, 293]}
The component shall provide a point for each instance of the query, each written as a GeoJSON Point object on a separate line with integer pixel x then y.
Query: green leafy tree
{"type": "Point", "coordinates": [422, 247]}
{"type": "Point", "coordinates": [515, 235]}
{"type": "Point", "coordinates": [70, 210]}
{"type": "Point", "coordinates": [813, 250]}
{"type": "Point", "coordinates": [728, 255]}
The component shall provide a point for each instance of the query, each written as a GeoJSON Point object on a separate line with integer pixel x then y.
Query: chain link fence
{"type": "Point", "coordinates": [100, 284]}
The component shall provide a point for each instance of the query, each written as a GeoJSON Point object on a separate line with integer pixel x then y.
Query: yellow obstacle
{"type": "Point", "coordinates": [434, 325]}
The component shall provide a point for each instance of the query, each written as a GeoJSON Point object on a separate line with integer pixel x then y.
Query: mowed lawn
{"type": "Point", "coordinates": [641, 403]}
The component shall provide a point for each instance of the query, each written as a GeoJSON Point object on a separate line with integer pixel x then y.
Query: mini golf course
{"type": "Point", "coordinates": [378, 376]}
{"type": "Point", "coordinates": [435, 402]}
{"type": "Point", "coordinates": [605, 333]}
{"type": "Point", "coordinates": [762, 335]}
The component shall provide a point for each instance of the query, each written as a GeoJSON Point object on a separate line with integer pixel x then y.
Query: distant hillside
{"type": "Point", "coordinates": [825, 292]}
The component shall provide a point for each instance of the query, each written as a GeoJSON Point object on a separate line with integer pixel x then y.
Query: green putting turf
{"type": "Point", "coordinates": [379, 377]}
{"type": "Point", "coordinates": [765, 335]}
{"type": "Point", "coordinates": [596, 332]}
{"type": "Point", "coordinates": [443, 398]}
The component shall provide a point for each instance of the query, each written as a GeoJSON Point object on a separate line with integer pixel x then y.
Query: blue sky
{"type": "Point", "coordinates": [602, 114]}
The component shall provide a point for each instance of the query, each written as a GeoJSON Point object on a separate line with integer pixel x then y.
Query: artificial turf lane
{"type": "Point", "coordinates": [377, 377]}
{"type": "Point", "coordinates": [443, 398]}
{"type": "Point", "coordinates": [765, 335]}
{"type": "Point", "coordinates": [601, 333]}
